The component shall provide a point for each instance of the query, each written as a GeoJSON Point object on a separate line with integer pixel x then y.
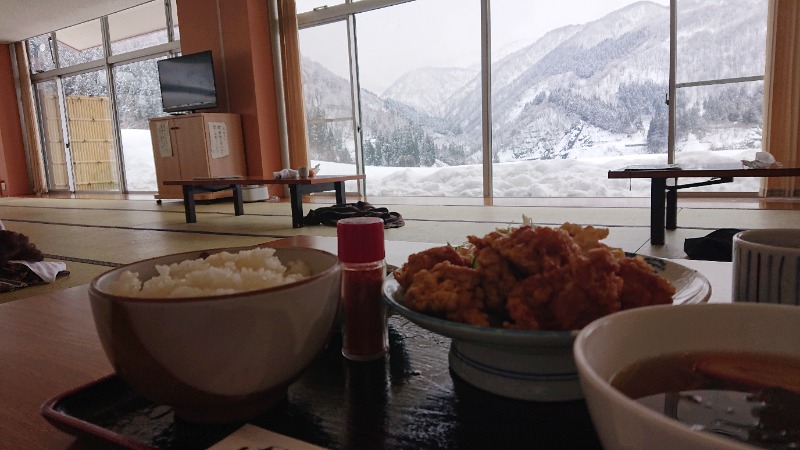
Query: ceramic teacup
{"type": "Point", "coordinates": [766, 266]}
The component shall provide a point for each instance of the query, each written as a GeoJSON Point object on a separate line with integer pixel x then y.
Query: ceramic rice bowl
{"type": "Point", "coordinates": [220, 358]}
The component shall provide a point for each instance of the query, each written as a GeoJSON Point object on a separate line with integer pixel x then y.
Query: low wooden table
{"type": "Point", "coordinates": [664, 198]}
{"type": "Point", "coordinates": [297, 188]}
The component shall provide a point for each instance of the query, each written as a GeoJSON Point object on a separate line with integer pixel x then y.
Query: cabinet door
{"type": "Point", "coordinates": [167, 164]}
{"type": "Point", "coordinates": [188, 135]}
{"type": "Point", "coordinates": [223, 136]}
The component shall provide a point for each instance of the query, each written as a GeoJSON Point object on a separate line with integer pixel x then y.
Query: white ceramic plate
{"type": "Point", "coordinates": [528, 364]}
{"type": "Point", "coordinates": [690, 287]}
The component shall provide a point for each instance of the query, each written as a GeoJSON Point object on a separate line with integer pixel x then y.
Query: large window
{"type": "Point", "coordinates": [575, 87]}
{"type": "Point", "coordinates": [138, 27]}
{"type": "Point", "coordinates": [80, 84]}
{"type": "Point", "coordinates": [40, 54]}
{"type": "Point", "coordinates": [412, 73]}
{"type": "Point", "coordinates": [719, 91]}
{"type": "Point", "coordinates": [79, 43]}
{"type": "Point", "coordinates": [561, 93]}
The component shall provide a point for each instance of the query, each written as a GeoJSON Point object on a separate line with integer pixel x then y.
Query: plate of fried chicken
{"type": "Point", "coordinates": [513, 301]}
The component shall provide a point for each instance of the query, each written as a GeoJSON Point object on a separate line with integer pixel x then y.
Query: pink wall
{"type": "Point", "coordinates": [245, 78]}
{"type": "Point", "coordinates": [13, 167]}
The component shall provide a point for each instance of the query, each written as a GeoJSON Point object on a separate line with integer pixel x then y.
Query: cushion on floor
{"type": "Point", "coordinates": [15, 276]}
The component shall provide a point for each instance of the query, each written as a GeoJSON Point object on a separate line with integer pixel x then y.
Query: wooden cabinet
{"type": "Point", "coordinates": [192, 146]}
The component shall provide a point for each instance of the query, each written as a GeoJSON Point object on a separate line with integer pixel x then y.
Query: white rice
{"type": "Point", "coordinates": [218, 274]}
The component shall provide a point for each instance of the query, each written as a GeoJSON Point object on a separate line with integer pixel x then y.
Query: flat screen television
{"type": "Point", "coordinates": [187, 82]}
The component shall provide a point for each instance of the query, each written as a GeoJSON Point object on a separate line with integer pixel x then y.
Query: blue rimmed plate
{"type": "Point", "coordinates": [522, 364]}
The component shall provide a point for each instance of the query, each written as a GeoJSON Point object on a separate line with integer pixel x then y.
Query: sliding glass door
{"type": "Point", "coordinates": [719, 91]}
{"type": "Point", "coordinates": [328, 96]}
{"type": "Point", "coordinates": [57, 162]}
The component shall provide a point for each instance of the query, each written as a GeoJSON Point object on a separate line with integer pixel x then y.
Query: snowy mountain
{"type": "Point", "coordinates": [583, 90]}
{"type": "Point", "coordinates": [440, 84]}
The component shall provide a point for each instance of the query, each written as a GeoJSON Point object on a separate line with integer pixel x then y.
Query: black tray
{"type": "Point", "coordinates": [108, 410]}
{"type": "Point", "coordinates": [411, 400]}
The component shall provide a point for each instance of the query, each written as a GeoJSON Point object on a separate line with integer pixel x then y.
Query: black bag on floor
{"type": "Point", "coordinates": [329, 215]}
{"type": "Point", "coordinates": [715, 246]}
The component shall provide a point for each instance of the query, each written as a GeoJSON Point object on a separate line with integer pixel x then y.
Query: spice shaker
{"type": "Point", "coordinates": [361, 252]}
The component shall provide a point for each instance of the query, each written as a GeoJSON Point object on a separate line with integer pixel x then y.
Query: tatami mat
{"type": "Point", "coordinates": [123, 246]}
{"type": "Point", "coordinates": [93, 235]}
{"type": "Point", "coordinates": [737, 218]}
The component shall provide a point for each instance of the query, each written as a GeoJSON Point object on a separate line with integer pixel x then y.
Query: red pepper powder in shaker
{"type": "Point", "coordinates": [362, 253]}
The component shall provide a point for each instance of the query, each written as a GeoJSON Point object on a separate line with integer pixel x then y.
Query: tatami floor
{"type": "Point", "coordinates": [93, 233]}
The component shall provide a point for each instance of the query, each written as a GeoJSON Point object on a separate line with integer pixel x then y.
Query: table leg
{"type": "Point", "coordinates": [297, 206]}
{"type": "Point", "coordinates": [340, 196]}
{"type": "Point", "coordinates": [672, 209]}
{"type": "Point", "coordinates": [658, 187]}
{"type": "Point", "coordinates": [188, 203]}
{"type": "Point", "coordinates": [238, 204]}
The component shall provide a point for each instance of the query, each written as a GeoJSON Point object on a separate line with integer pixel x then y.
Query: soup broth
{"type": "Point", "coordinates": [753, 398]}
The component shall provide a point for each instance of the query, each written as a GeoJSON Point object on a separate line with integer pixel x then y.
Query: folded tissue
{"type": "Point", "coordinates": [764, 160]}
{"type": "Point", "coordinates": [286, 174]}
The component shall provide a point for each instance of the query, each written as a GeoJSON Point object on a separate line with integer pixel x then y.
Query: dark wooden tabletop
{"type": "Point", "coordinates": [410, 400]}
{"type": "Point", "coordinates": [705, 173]}
{"type": "Point", "coordinates": [317, 179]}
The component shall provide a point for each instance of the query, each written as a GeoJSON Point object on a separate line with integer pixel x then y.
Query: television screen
{"type": "Point", "coordinates": [187, 82]}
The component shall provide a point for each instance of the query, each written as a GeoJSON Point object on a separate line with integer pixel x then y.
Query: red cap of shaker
{"type": "Point", "coordinates": [360, 239]}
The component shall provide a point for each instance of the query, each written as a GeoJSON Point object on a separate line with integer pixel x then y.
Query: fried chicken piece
{"type": "Point", "coordinates": [486, 241]}
{"type": "Point", "coordinates": [451, 291]}
{"type": "Point", "coordinates": [587, 237]}
{"type": "Point", "coordinates": [537, 250]}
{"type": "Point", "coordinates": [528, 304]}
{"type": "Point", "coordinates": [570, 297]}
{"type": "Point", "coordinates": [425, 260]}
{"type": "Point", "coordinates": [593, 292]}
{"type": "Point", "coordinates": [498, 279]}
{"type": "Point", "coordinates": [643, 287]}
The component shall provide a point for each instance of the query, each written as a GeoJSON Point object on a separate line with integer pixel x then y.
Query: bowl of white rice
{"type": "Point", "coordinates": [220, 334]}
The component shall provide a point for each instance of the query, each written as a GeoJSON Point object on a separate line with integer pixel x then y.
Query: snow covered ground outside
{"type": "Point", "coordinates": [585, 177]}
{"type": "Point", "coordinates": [140, 167]}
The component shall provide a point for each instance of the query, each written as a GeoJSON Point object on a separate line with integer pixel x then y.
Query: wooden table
{"type": "Point", "coordinates": [664, 197]}
{"type": "Point", "coordinates": [297, 188]}
{"type": "Point", "coordinates": [48, 345]}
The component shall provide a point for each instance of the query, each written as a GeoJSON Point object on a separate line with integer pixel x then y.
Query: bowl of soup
{"type": "Point", "coordinates": [706, 376]}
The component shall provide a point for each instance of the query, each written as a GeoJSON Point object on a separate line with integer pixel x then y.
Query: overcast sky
{"type": "Point", "coordinates": [442, 33]}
